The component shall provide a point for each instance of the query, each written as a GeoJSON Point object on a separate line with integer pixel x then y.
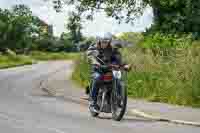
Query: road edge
{"type": "Point", "coordinates": [139, 113]}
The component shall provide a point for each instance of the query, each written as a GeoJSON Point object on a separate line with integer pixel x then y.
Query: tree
{"type": "Point", "coordinates": [5, 26]}
{"type": "Point", "coordinates": [126, 10]}
{"type": "Point", "coordinates": [74, 26]}
{"type": "Point", "coordinates": [65, 41]}
{"type": "Point", "coordinates": [20, 30]}
{"type": "Point", "coordinates": [15, 28]}
{"type": "Point", "coordinates": [170, 16]}
{"type": "Point", "coordinates": [176, 16]}
{"type": "Point", "coordinates": [22, 27]}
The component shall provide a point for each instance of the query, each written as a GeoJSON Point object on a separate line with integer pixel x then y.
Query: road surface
{"type": "Point", "coordinates": [25, 108]}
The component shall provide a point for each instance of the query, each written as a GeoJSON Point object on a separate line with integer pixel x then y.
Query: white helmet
{"type": "Point", "coordinates": [105, 36]}
{"type": "Point", "coordinates": [104, 39]}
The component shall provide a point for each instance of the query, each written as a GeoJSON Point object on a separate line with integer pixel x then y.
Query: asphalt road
{"type": "Point", "coordinates": [24, 108]}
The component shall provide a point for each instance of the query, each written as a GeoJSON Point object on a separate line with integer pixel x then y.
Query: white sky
{"type": "Point", "coordinates": [101, 23]}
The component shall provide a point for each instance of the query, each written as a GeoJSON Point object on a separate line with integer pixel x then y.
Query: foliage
{"type": "Point", "coordinates": [37, 55]}
{"type": "Point", "coordinates": [13, 61]}
{"type": "Point", "coordinates": [65, 41]}
{"type": "Point", "coordinates": [74, 26]}
{"type": "Point", "coordinates": [22, 32]}
{"type": "Point", "coordinates": [126, 10]}
{"type": "Point", "coordinates": [170, 16]}
{"type": "Point", "coordinates": [17, 29]}
{"type": "Point", "coordinates": [165, 78]}
{"type": "Point", "coordinates": [169, 79]}
{"type": "Point", "coordinates": [131, 37]}
{"type": "Point", "coordinates": [48, 43]}
{"type": "Point", "coordinates": [81, 72]}
{"type": "Point", "coordinates": [160, 40]}
{"type": "Point", "coordinates": [175, 16]}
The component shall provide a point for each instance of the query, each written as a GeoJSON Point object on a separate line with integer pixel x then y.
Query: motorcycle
{"type": "Point", "coordinates": [112, 92]}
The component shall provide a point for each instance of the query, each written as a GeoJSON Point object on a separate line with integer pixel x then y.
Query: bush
{"type": "Point", "coordinates": [131, 37]}
{"type": "Point", "coordinates": [160, 40]}
{"type": "Point", "coordinates": [170, 79]}
{"type": "Point", "coordinates": [81, 72]}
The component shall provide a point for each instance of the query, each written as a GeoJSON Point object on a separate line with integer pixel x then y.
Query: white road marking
{"type": "Point", "coordinates": [56, 130]}
{"type": "Point", "coordinates": [145, 115]}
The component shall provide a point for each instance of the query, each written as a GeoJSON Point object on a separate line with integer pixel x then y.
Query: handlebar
{"type": "Point", "coordinates": [115, 67]}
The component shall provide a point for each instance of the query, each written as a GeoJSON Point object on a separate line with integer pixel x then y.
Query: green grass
{"type": "Point", "coordinates": [13, 60]}
{"type": "Point", "coordinates": [173, 77]}
{"type": "Point", "coordinates": [37, 55]}
{"type": "Point", "coordinates": [81, 74]}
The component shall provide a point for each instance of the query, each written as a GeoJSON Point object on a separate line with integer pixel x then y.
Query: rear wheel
{"type": "Point", "coordinates": [119, 101]}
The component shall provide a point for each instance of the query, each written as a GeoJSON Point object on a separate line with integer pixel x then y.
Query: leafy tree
{"type": "Point", "coordinates": [65, 40]}
{"type": "Point", "coordinates": [170, 16]}
{"type": "Point", "coordinates": [15, 27]}
{"type": "Point", "coordinates": [21, 31]}
{"type": "Point", "coordinates": [126, 10]}
{"type": "Point", "coordinates": [74, 26]}
{"type": "Point", "coordinates": [5, 25]}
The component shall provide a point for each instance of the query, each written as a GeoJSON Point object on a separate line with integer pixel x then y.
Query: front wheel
{"type": "Point", "coordinates": [94, 114]}
{"type": "Point", "coordinates": [119, 101]}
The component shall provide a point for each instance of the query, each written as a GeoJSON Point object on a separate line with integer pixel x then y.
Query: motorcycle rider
{"type": "Point", "coordinates": [100, 56]}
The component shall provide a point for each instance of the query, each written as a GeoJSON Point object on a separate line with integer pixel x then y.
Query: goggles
{"type": "Point", "coordinates": [105, 41]}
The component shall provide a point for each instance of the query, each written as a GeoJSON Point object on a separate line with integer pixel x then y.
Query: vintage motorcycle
{"type": "Point", "coordinates": [112, 92]}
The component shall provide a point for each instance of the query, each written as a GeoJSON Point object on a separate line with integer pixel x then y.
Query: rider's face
{"type": "Point", "coordinates": [105, 43]}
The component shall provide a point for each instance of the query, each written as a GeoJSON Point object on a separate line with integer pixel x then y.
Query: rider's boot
{"type": "Point", "coordinates": [94, 106]}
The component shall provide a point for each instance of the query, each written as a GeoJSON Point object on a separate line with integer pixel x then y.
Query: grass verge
{"type": "Point", "coordinates": [81, 74]}
{"type": "Point", "coordinates": [13, 60]}
{"type": "Point", "coordinates": [37, 55]}
{"type": "Point", "coordinates": [170, 77]}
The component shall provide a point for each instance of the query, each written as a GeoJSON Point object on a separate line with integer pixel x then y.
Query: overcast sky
{"type": "Point", "coordinates": [101, 23]}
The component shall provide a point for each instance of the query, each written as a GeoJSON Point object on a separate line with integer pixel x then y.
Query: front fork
{"type": "Point", "coordinates": [103, 100]}
{"type": "Point", "coordinates": [116, 86]}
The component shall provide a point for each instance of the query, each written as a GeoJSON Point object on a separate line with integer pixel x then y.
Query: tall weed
{"type": "Point", "coordinates": [171, 75]}
{"type": "Point", "coordinates": [172, 78]}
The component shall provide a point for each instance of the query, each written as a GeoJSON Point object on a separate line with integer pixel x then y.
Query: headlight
{"type": "Point", "coordinates": [117, 74]}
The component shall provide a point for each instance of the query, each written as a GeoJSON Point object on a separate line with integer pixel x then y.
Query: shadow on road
{"type": "Point", "coordinates": [127, 119]}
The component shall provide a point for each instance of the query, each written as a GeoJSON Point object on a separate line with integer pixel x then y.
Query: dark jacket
{"type": "Point", "coordinates": [108, 56]}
